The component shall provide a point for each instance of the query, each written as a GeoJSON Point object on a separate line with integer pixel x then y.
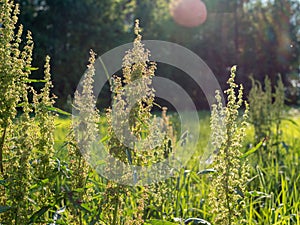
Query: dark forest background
{"type": "Point", "coordinates": [261, 37]}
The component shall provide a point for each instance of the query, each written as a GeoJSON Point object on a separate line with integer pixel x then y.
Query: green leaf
{"type": "Point", "coordinates": [20, 104]}
{"type": "Point", "coordinates": [257, 194]}
{"type": "Point", "coordinates": [60, 111]}
{"type": "Point", "coordinates": [105, 138]}
{"type": "Point", "coordinates": [34, 81]}
{"type": "Point", "coordinates": [45, 181]}
{"type": "Point", "coordinates": [79, 190]}
{"type": "Point", "coordinates": [252, 150]}
{"type": "Point", "coordinates": [159, 222]}
{"type": "Point", "coordinates": [29, 68]}
{"type": "Point", "coordinates": [86, 207]}
{"type": "Point", "coordinates": [206, 171]}
{"type": "Point", "coordinates": [39, 213]}
{"type": "Point", "coordinates": [39, 183]}
{"type": "Point", "coordinates": [4, 208]}
{"type": "Point", "coordinates": [291, 121]}
{"type": "Point", "coordinates": [33, 186]}
{"type": "Point", "coordinates": [196, 221]}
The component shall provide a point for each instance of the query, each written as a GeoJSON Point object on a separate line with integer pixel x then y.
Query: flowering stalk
{"type": "Point", "coordinates": [16, 142]}
{"type": "Point", "coordinates": [231, 173]}
{"type": "Point", "coordinates": [81, 139]}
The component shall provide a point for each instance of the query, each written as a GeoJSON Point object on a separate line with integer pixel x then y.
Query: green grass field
{"type": "Point", "coordinates": [272, 190]}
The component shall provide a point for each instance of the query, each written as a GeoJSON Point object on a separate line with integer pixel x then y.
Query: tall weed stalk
{"type": "Point", "coordinates": [229, 181]}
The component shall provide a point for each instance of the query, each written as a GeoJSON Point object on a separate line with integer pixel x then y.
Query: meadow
{"type": "Point", "coordinates": [49, 159]}
{"type": "Point", "coordinates": [273, 189]}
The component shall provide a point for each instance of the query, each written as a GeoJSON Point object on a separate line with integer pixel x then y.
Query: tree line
{"type": "Point", "coordinates": [261, 37]}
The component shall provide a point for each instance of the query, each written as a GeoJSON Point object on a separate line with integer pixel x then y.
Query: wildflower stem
{"type": "Point", "coordinates": [116, 210]}
{"type": "Point", "coordinates": [231, 171]}
{"type": "Point", "coordinates": [1, 150]}
{"type": "Point", "coordinates": [227, 189]}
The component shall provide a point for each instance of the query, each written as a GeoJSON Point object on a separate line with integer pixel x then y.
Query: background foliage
{"type": "Point", "coordinates": [262, 37]}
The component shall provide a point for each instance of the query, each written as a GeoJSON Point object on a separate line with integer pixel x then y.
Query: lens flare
{"type": "Point", "coordinates": [188, 13]}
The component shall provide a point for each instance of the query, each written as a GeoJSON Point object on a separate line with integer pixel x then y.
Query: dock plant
{"type": "Point", "coordinates": [229, 180]}
{"type": "Point", "coordinates": [266, 115]}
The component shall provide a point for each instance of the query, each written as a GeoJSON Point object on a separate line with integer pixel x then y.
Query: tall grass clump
{"type": "Point", "coordinates": [266, 115]}
{"type": "Point", "coordinates": [229, 180]}
{"type": "Point", "coordinates": [273, 199]}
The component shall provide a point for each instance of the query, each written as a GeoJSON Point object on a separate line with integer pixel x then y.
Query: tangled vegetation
{"type": "Point", "coordinates": [45, 177]}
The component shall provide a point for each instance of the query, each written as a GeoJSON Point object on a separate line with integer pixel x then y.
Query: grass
{"type": "Point", "coordinates": [273, 191]}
